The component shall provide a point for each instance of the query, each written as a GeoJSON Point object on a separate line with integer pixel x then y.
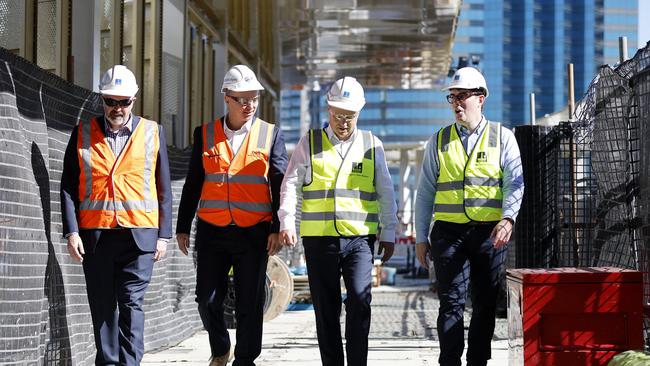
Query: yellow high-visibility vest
{"type": "Point", "coordinates": [341, 198]}
{"type": "Point", "coordinates": [469, 187]}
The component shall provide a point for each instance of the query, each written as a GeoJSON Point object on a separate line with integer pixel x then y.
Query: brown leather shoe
{"type": "Point", "coordinates": [223, 359]}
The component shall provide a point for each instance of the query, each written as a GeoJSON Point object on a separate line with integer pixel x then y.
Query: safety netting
{"type": "Point", "coordinates": [44, 314]}
{"type": "Point", "coordinates": [587, 200]}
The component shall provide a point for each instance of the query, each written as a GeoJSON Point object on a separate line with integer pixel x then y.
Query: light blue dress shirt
{"type": "Point", "coordinates": [512, 182]}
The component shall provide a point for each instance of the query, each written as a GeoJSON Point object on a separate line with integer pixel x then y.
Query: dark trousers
{"type": "Point", "coordinates": [244, 249]}
{"type": "Point", "coordinates": [117, 275]}
{"type": "Point", "coordinates": [463, 254]}
{"type": "Point", "coordinates": [328, 258]}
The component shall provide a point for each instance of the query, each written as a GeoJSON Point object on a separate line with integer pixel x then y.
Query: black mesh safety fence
{"type": "Point", "coordinates": [640, 83]}
{"type": "Point", "coordinates": [44, 314]}
{"type": "Point", "coordinates": [587, 199]}
{"type": "Point", "coordinates": [535, 236]}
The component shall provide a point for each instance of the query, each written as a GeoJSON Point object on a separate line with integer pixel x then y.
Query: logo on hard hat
{"type": "Point", "coordinates": [118, 81]}
{"type": "Point", "coordinates": [346, 94]}
{"type": "Point", "coordinates": [456, 77]}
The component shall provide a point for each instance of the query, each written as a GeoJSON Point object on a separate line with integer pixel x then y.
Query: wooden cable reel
{"type": "Point", "coordinates": [278, 291]}
{"type": "Point", "coordinates": [280, 283]}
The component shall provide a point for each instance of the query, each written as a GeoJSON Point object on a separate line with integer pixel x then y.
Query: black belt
{"type": "Point", "coordinates": [480, 223]}
{"type": "Point", "coordinates": [471, 223]}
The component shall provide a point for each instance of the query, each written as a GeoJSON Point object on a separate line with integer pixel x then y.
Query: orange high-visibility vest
{"type": "Point", "coordinates": [118, 190]}
{"type": "Point", "coordinates": [236, 188]}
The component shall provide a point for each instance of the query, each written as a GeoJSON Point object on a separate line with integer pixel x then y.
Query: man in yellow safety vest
{"type": "Point", "coordinates": [472, 184]}
{"type": "Point", "coordinates": [347, 193]}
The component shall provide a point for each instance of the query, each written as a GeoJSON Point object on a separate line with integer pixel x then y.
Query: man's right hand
{"type": "Point", "coordinates": [76, 247]}
{"type": "Point", "coordinates": [183, 241]}
{"type": "Point", "coordinates": [288, 237]}
{"type": "Point", "coordinates": [423, 252]}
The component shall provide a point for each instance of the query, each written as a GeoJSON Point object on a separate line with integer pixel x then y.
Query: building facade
{"type": "Point", "coordinates": [179, 50]}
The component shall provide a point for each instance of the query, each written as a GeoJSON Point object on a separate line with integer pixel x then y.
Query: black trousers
{"type": "Point", "coordinates": [327, 259]}
{"type": "Point", "coordinates": [463, 254]}
{"type": "Point", "coordinates": [117, 276]}
{"type": "Point", "coordinates": [243, 249]}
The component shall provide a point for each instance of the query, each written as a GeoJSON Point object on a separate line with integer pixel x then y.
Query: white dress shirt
{"type": "Point", "coordinates": [236, 138]}
{"type": "Point", "coordinates": [299, 173]}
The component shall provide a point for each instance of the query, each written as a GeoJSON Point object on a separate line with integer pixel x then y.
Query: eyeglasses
{"type": "Point", "coordinates": [461, 97]}
{"type": "Point", "coordinates": [244, 100]}
{"type": "Point", "coordinates": [345, 117]}
{"type": "Point", "coordinates": [110, 102]}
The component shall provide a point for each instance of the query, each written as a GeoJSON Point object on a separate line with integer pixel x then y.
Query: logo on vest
{"type": "Point", "coordinates": [481, 157]}
{"type": "Point", "coordinates": [211, 154]}
{"type": "Point", "coordinates": [357, 168]}
{"type": "Point", "coordinates": [257, 155]}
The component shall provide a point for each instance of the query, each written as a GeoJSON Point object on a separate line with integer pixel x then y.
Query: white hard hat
{"type": "Point", "coordinates": [346, 94]}
{"type": "Point", "coordinates": [468, 78]}
{"type": "Point", "coordinates": [240, 78]}
{"type": "Point", "coordinates": [118, 81]}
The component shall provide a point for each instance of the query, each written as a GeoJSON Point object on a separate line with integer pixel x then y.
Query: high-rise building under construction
{"type": "Point", "coordinates": [522, 47]}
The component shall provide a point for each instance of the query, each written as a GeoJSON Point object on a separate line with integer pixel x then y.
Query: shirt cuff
{"type": "Point", "coordinates": [288, 223]}
{"type": "Point", "coordinates": [421, 236]}
{"type": "Point", "coordinates": [166, 240]}
{"type": "Point", "coordinates": [70, 234]}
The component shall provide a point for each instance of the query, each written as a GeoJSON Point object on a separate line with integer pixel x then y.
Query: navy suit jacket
{"type": "Point", "coordinates": [196, 175]}
{"type": "Point", "coordinates": [144, 238]}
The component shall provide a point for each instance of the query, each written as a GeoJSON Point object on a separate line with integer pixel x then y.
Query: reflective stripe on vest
{"type": "Point", "coordinates": [341, 198]}
{"type": "Point", "coordinates": [469, 188]}
{"type": "Point", "coordinates": [117, 191]}
{"type": "Point", "coordinates": [236, 187]}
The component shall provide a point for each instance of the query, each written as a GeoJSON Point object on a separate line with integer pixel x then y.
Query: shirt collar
{"type": "Point", "coordinates": [128, 125]}
{"type": "Point", "coordinates": [479, 129]}
{"type": "Point", "coordinates": [334, 139]}
{"type": "Point", "coordinates": [243, 129]}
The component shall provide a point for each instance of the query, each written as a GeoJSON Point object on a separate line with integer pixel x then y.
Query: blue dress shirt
{"type": "Point", "coordinates": [512, 182]}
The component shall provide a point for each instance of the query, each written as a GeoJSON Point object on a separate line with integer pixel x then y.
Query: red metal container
{"type": "Point", "coordinates": [573, 316]}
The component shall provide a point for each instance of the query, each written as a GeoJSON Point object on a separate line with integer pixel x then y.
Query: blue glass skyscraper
{"type": "Point", "coordinates": [529, 43]}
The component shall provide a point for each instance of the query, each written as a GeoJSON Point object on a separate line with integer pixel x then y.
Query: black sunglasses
{"type": "Point", "coordinates": [114, 102]}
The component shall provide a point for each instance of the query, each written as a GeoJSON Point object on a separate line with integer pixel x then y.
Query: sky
{"type": "Point", "coordinates": [644, 25]}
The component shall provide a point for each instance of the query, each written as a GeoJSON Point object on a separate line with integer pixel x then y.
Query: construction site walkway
{"type": "Point", "coordinates": [403, 332]}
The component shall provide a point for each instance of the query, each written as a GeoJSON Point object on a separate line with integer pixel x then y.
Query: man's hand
{"type": "Point", "coordinates": [76, 247]}
{"type": "Point", "coordinates": [288, 237]}
{"type": "Point", "coordinates": [423, 252]}
{"type": "Point", "coordinates": [501, 233]}
{"type": "Point", "coordinates": [388, 248]}
{"type": "Point", "coordinates": [273, 244]}
{"type": "Point", "coordinates": [183, 241]}
{"type": "Point", "coordinates": [161, 249]}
